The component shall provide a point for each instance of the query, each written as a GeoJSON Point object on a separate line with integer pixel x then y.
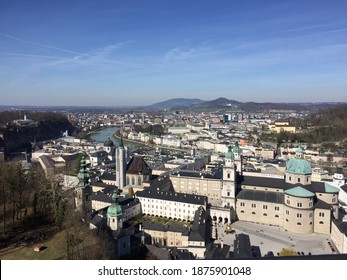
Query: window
{"type": "Point", "coordinates": [276, 216]}
{"type": "Point", "coordinates": [299, 224]}
{"type": "Point", "coordinates": [290, 178]}
{"type": "Point", "coordinates": [228, 193]}
{"type": "Point", "coordinates": [253, 213]}
{"type": "Point", "coordinates": [242, 204]}
{"type": "Point", "coordinates": [299, 215]}
{"type": "Point", "coordinates": [321, 222]}
{"type": "Point", "coordinates": [277, 208]}
{"type": "Point", "coordinates": [298, 180]}
{"type": "Point", "coordinates": [288, 201]}
{"type": "Point", "coordinates": [264, 214]}
{"type": "Point", "coordinates": [321, 214]}
{"type": "Point", "coordinates": [287, 212]}
{"type": "Point", "coordinates": [265, 207]}
{"type": "Point", "coordinates": [254, 205]}
{"type": "Point", "coordinates": [299, 204]}
{"type": "Point", "coordinates": [242, 211]}
{"type": "Point", "coordinates": [228, 176]}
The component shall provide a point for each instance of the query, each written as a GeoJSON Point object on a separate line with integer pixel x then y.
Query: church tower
{"type": "Point", "coordinates": [114, 214]}
{"type": "Point", "coordinates": [237, 158]}
{"type": "Point", "coordinates": [120, 165]}
{"type": "Point", "coordinates": [229, 182]}
{"type": "Point", "coordinates": [83, 191]}
{"type": "Point", "coordinates": [110, 149]}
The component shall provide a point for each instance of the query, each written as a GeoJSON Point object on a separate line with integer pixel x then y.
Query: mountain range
{"type": "Point", "coordinates": [224, 103]}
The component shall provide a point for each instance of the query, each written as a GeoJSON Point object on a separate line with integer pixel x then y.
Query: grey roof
{"type": "Point", "coordinates": [344, 188]}
{"type": "Point", "coordinates": [164, 228]}
{"type": "Point", "coordinates": [266, 196]}
{"type": "Point", "coordinates": [198, 231]}
{"type": "Point", "coordinates": [173, 196]}
{"type": "Point", "coordinates": [278, 183]}
{"type": "Point", "coordinates": [341, 225]}
{"type": "Point", "coordinates": [215, 252]}
{"type": "Point", "coordinates": [181, 254]}
{"type": "Point", "coordinates": [99, 184]}
{"type": "Point", "coordinates": [217, 174]}
{"type": "Point", "coordinates": [106, 196]}
{"type": "Point", "coordinates": [98, 220]}
{"type": "Point", "coordinates": [99, 154]}
{"type": "Point", "coordinates": [108, 176]}
{"type": "Point", "coordinates": [242, 246]}
{"type": "Point", "coordinates": [320, 204]}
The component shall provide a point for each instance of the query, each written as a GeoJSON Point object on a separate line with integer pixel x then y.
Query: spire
{"type": "Point", "coordinates": [121, 144]}
{"type": "Point", "coordinates": [83, 175]}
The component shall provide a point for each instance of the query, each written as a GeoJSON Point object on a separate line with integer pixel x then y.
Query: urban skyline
{"type": "Point", "coordinates": [140, 52]}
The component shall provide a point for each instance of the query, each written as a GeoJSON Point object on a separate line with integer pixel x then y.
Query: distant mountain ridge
{"type": "Point", "coordinates": [176, 102]}
{"type": "Point", "coordinates": [219, 103]}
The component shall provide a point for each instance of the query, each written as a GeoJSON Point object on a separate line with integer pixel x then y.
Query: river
{"type": "Point", "coordinates": [103, 134]}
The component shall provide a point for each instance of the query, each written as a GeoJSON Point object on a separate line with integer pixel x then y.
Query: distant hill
{"type": "Point", "coordinates": [224, 103]}
{"type": "Point", "coordinates": [176, 103]}
{"type": "Point", "coordinates": [219, 102]}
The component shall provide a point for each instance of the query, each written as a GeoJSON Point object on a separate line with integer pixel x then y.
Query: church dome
{"type": "Point", "coordinates": [229, 154]}
{"type": "Point", "coordinates": [298, 166]}
{"type": "Point", "coordinates": [236, 149]}
{"type": "Point", "coordinates": [108, 143]}
{"type": "Point", "coordinates": [114, 210]}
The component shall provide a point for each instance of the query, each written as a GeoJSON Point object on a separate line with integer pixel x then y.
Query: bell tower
{"type": "Point", "coordinates": [83, 191]}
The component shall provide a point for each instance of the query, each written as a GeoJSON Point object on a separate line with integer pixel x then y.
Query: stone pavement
{"type": "Point", "coordinates": [267, 238]}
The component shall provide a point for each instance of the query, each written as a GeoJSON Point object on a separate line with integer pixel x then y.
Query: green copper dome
{"type": "Point", "coordinates": [236, 148]}
{"type": "Point", "coordinates": [330, 189]}
{"type": "Point", "coordinates": [298, 166]}
{"type": "Point", "coordinates": [229, 154]}
{"type": "Point", "coordinates": [299, 192]}
{"type": "Point", "coordinates": [114, 210]}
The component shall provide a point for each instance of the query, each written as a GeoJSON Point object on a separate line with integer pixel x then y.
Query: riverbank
{"type": "Point", "coordinates": [139, 143]}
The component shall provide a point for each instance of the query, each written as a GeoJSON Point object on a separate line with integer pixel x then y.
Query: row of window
{"type": "Point", "coordinates": [161, 208]}
{"type": "Point", "coordinates": [298, 180]}
{"type": "Point", "coordinates": [264, 214]}
{"type": "Point", "coordinates": [139, 181]}
{"type": "Point", "coordinates": [299, 223]}
{"type": "Point", "coordinates": [253, 205]}
{"type": "Point", "coordinates": [164, 201]}
{"type": "Point", "coordinates": [299, 204]}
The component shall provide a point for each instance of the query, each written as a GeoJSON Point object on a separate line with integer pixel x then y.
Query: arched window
{"type": "Point", "coordinates": [276, 216]}
{"type": "Point", "coordinates": [321, 222]}
{"type": "Point", "coordinates": [253, 213]}
{"type": "Point", "coordinates": [299, 224]}
{"type": "Point", "coordinates": [242, 211]}
{"type": "Point", "coordinates": [264, 214]}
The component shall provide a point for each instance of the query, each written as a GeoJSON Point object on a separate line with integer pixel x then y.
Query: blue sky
{"type": "Point", "coordinates": [138, 52]}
